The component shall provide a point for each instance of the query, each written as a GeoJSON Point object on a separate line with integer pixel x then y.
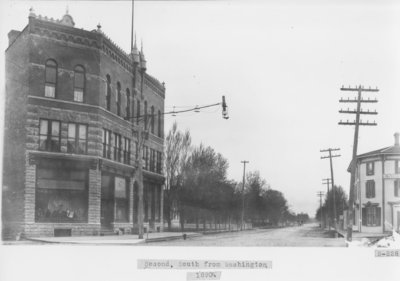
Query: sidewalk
{"type": "Point", "coordinates": [115, 239]}
{"type": "Point", "coordinates": [361, 235]}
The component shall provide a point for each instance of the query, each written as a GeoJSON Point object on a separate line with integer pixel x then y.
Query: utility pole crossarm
{"type": "Point", "coordinates": [329, 149]}
{"type": "Point", "coordinates": [356, 100]}
{"type": "Point", "coordinates": [336, 155]}
{"type": "Point", "coordinates": [356, 89]}
{"type": "Point", "coordinates": [359, 123]}
{"type": "Point", "coordinates": [361, 112]}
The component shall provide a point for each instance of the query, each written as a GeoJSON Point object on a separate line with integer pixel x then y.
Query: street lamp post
{"type": "Point", "coordinates": [244, 179]}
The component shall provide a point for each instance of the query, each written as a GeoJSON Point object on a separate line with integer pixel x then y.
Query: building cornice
{"type": "Point", "coordinates": [97, 39]}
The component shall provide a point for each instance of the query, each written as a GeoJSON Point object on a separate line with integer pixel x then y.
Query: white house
{"type": "Point", "coordinates": [377, 192]}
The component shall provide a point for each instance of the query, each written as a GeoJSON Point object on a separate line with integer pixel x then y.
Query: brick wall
{"type": "Point", "coordinates": [17, 76]}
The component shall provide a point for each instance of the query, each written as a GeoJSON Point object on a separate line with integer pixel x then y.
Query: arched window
{"type": "Point", "coordinates": [128, 104]}
{"type": "Point", "coordinates": [138, 112]}
{"type": "Point", "coordinates": [50, 79]}
{"type": "Point", "coordinates": [152, 119]}
{"type": "Point", "coordinates": [145, 113]}
{"type": "Point", "coordinates": [159, 124]}
{"type": "Point", "coordinates": [108, 93]}
{"type": "Point", "coordinates": [118, 99]}
{"type": "Point", "coordinates": [79, 83]}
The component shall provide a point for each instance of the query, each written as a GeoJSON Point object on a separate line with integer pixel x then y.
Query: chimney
{"type": "Point", "coordinates": [396, 139]}
{"type": "Point", "coordinates": [12, 35]}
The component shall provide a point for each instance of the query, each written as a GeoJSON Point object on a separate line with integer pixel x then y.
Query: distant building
{"type": "Point", "coordinates": [377, 192]}
{"type": "Point", "coordinates": [73, 101]}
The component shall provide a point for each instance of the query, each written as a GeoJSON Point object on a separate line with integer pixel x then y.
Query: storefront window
{"type": "Point", "coordinates": [121, 200]}
{"type": "Point", "coordinates": [61, 195]}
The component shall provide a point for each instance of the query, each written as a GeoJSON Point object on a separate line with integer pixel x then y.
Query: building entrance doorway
{"type": "Point", "coordinates": [396, 218]}
{"type": "Point", "coordinates": [107, 201]}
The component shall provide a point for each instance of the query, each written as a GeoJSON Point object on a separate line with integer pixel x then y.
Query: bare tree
{"type": "Point", "coordinates": [177, 151]}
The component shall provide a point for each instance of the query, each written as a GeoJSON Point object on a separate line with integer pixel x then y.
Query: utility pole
{"type": "Point", "coordinates": [244, 178]}
{"type": "Point", "coordinates": [357, 122]}
{"type": "Point", "coordinates": [327, 181]}
{"type": "Point", "coordinates": [320, 194]}
{"type": "Point", "coordinates": [332, 179]}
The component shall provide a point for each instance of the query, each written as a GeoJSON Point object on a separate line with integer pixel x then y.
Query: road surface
{"type": "Point", "coordinates": [308, 235]}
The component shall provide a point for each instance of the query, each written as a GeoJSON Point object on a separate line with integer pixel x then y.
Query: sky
{"type": "Point", "coordinates": [280, 66]}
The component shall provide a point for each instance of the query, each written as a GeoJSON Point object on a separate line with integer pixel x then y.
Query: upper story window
{"type": "Point", "coordinates": [370, 189]}
{"type": "Point", "coordinates": [49, 135]}
{"type": "Point", "coordinates": [118, 99]}
{"type": "Point", "coordinates": [106, 143]}
{"type": "Point", "coordinates": [145, 113]}
{"type": "Point", "coordinates": [136, 150]}
{"type": "Point", "coordinates": [117, 147]}
{"type": "Point", "coordinates": [133, 109]}
{"type": "Point", "coordinates": [159, 124]}
{"type": "Point", "coordinates": [50, 79]}
{"type": "Point", "coordinates": [79, 83]}
{"type": "Point", "coordinates": [127, 151]}
{"type": "Point", "coordinates": [397, 166]}
{"type": "Point", "coordinates": [152, 120]}
{"type": "Point", "coordinates": [108, 93]}
{"type": "Point", "coordinates": [145, 158]}
{"type": "Point", "coordinates": [397, 188]}
{"type": "Point", "coordinates": [128, 104]}
{"type": "Point", "coordinates": [370, 168]}
{"type": "Point", "coordinates": [159, 162]}
{"type": "Point", "coordinates": [77, 138]}
{"type": "Point", "coordinates": [152, 160]}
{"type": "Point", "coordinates": [138, 112]}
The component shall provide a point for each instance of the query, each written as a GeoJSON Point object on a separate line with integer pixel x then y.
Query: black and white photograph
{"type": "Point", "coordinates": [200, 140]}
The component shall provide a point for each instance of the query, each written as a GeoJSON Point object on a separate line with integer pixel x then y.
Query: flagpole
{"type": "Point", "coordinates": [132, 31]}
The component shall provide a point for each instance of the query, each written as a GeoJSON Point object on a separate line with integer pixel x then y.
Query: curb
{"type": "Point", "coordinates": [176, 237]}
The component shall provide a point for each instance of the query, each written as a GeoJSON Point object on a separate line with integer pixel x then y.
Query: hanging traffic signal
{"type": "Point", "coordinates": [224, 109]}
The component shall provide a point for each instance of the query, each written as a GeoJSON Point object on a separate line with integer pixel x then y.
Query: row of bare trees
{"type": "Point", "coordinates": [326, 210]}
{"type": "Point", "coordinates": [199, 192]}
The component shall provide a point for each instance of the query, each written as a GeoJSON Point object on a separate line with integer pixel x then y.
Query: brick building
{"type": "Point", "coordinates": [73, 102]}
{"type": "Point", "coordinates": [377, 192]}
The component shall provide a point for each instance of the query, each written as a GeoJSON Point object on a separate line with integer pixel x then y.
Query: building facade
{"type": "Point", "coordinates": [74, 101]}
{"type": "Point", "coordinates": [377, 192]}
